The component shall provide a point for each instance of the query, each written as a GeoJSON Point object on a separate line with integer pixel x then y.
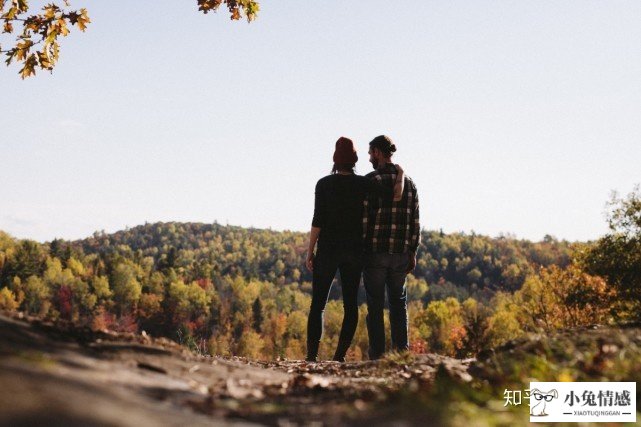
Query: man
{"type": "Point", "coordinates": [392, 235]}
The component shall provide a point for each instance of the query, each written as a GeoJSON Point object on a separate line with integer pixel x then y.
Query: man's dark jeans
{"type": "Point", "coordinates": [348, 259]}
{"type": "Point", "coordinates": [381, 271]}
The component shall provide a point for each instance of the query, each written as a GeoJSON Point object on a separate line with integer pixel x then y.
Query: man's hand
{"type": "Point", "coordinates": [309, 262]}
{"type": "Point", "coordinates": [411, 265]}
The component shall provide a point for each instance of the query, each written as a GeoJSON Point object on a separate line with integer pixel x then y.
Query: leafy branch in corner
{"type": "Point", "coordinates": [36, 42]}
{"type": "Point", "coordinates": [236, 8]}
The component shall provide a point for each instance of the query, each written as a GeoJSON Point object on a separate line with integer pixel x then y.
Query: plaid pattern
{"type": "Point", "coordinates": [388, 226]}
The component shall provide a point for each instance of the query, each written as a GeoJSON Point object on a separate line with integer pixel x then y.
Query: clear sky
{"type": "Point", "coordinates": [511, 116]}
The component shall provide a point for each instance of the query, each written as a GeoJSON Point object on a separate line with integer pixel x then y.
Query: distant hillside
{"type": "Point", "coordinates": [252, 253]}
{"type": "Point", "coordinates": [457, 263]}
{"type": "Point", "coordinates": [237, 291]}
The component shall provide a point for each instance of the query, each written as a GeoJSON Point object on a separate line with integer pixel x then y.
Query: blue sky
{"type": "Point", "coordinates": [511, 116]}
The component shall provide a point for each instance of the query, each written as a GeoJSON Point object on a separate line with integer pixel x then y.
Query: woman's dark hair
{"type": "Point", "coordinates": [383, 143]}
{"type": "Point", "coordinates": [343, 167]}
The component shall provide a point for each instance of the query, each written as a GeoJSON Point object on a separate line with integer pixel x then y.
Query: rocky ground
{"type": "Point", "coordinates": [59, 375]}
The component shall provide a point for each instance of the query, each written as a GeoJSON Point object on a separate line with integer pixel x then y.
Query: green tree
{"type": "Point", "coordinates": [125, 286]}
{"type": "Point", "coordinates": [416, 288]}
{"type": "Point", "coordinates": [37, 296]}
{"type": "Point", "coordinates": [28, 259]}
{"type": "Point", "coordinates": [257, 310]}
{"type": "Point", "coordinates": [617, 256]}
{"type": "Point", "coordinates": [66, 288]}
{"type": "Point", "coordinates": [100, 285]}
{"type": "Point", "coordinates": [82, 299]}
{"type": "Point", "coordinates": [539, 304]}
{"type": "Point", "coordinates": [504, 323]}
{"type": "Point", "coordinates": [475, 316]}
{"type": "Point", "coordinates": [188, 302]}
{"type": "Point", "coordinates": [446, 326]}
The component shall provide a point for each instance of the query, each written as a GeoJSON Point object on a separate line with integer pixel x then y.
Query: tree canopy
{"type": "Point", "coordinates": [617, 255]}
{"type": "Point", "coordinates": [37, 33]}
{"type": "Point", "coordinates": [233, 290]}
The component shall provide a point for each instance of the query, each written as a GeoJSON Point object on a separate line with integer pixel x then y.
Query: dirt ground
{"type": "Point", "coordinates": [62, 376]}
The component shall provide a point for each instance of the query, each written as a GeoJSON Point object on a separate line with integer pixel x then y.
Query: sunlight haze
{"type": "Point", "coordinates": [511, 116]}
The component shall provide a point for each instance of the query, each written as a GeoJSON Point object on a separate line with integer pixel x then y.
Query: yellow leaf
{"type": "Point", "coordinates": [55, 51]}
{"type": "Point", "coordinates": [62, 27]}
{"type": "Point", "coordinates": [50, 12]}
{"type": "Point", "coordinates": [45, 61]}
{"type": "Point", "coordinates": [22, 5]}
{"type": "Point", "coordinates": [29, 68]}
{"type": "Point", "coordinates": [83, 20]}
{"type": "Point", "coordinates": [52, 33]}
{"type": "Point", "coordinates": [11, 13]}
{"type": "Point", "coordinates": [22, 50]}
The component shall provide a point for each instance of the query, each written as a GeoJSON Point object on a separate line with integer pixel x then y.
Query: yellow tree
{"type": "Point", "coordinates": [125, 286]}
{"type": "Point", "coordinates": [504, 324]}
{"type": "Point", "coordinates": [444, 320]}
{"type": "Point", "coordinates": [250, 345]}
{"type": "Point", "coordinates": [562, 298]}
{"type": "Point", "coordinates": [37, 296]}
{"type": "Point", "coordinates": [7, 300]}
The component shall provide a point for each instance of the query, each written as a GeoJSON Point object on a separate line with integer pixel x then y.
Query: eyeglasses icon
{"type": "Point", "coordinates": [548, 398]}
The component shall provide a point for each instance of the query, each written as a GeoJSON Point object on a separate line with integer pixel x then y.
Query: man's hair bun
{"type": "Point", "coordinates": [383, 143]}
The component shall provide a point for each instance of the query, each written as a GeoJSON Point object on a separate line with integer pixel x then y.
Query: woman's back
{"type": "Point", "coordinates": [338, 208]}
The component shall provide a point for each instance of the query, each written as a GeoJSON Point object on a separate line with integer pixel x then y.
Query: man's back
{"type": "Point", "coordinates": [391, 227]}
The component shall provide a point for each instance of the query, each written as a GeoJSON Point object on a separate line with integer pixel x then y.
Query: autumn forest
{"type": "Point", "coordinates": [227, 290]}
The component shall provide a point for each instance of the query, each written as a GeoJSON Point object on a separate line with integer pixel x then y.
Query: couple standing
{"type": "Point", "coordinates": [365, 224]}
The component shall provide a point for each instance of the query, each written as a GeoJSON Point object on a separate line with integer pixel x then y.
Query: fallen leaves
{"type": "Point", "coordinates": [243, 389]}
{"type": "Point", "coordinates": [308, 381]}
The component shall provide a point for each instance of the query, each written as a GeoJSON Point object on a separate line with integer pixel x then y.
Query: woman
{"type": "Point", "coordinates": [337, 228]}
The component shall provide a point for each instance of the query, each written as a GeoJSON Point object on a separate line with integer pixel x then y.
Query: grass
{"type": "Point", "coordinates": [607, 354]}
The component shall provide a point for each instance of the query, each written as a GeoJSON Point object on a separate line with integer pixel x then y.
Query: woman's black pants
{"type": "Point", "coordinates": [348, 260]}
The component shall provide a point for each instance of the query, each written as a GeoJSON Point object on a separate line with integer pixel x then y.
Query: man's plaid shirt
{"type": "Point", "coordinates": [391, 227]}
